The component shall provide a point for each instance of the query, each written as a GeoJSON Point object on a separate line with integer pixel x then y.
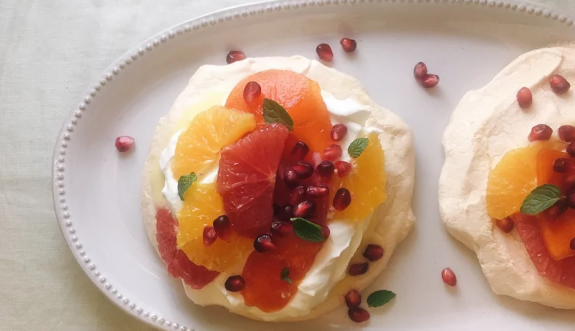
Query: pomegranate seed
{"type": "Point", "coordinates": [348, 45]}
{"type": "Point", "coordinates": [338, 132]}
{"type": "Point", "coordinates": [569, 200]}
{"type": "Point", "coordinates": [572, 244]}
{"type": "Point", "coordinates": [324, 52]}
{"type": "Point", "coordinates": [124, 143]}
{"type": "Point", "coordinates": [420, 71]}
{"type": "Point", "coordinates": [235, 283]}
{"type": "Point", "coordinates": [561, 165]}
{"type": "Point", "coordinates": [524, 97]}
{"type": "Point", "coordinates": [353, 299]}
{"type": "Point", "coordinates": [343, 168]}
{"type": "Point", "coordinates": [297, 196]}
{"type": "Point", "coordinates": [317, 191]}
{"type": "Point", "coordinates": [373, 252]}
{"type": "Point", "coordinates": [281, 229]}
{"type": "Point", "coordinates": [342, 199]}
{"type": "Point", "coordinates": [325, 169]}
{"type": "Point", "coordinates": [566, 133]}
{"type": "Point", "coordinates": [210, 235]}
{"type": "Point", "coordinates": [252, 92]}
{"type": "Point", "coordinates": [358, 315]}
{"type": "Point", "coordinates": [570, 149]}
{"type": "Point", "coordinates": [570, 180]}
{"type": "Point", "coordinates": [540, 132]}
{"type": "Point", "coordinates": [304, 209]}
{"type": "Point", "coordinates": [505, 224]}
{"type": "Point", "coordinates": [285, 213]}
{"type": "Point", "coordinates": [223, 227]}
{"type": "Point", "coordinates": [264, 243]}
{"type": "Point", "coordinates": [290, 178]}
{"type": "Point", "coordinates": [303, 169]}
{"type": "Point", "coordinates": [299, 151]}
{"type": "Point", "coordinates": [358, 269]}
{"type": "Point", "coordinates": [429, 80]}
{"type": "Point", "coordinates": [559, 84]}
{"type": "Point", "coordinates": [332, 152]}
{"type": "Point", "coordinates": [234, 56]}
{"type": "Point", "coordinates": [449, 277]}
{"type": "Point", "coordinates": [560, 207]}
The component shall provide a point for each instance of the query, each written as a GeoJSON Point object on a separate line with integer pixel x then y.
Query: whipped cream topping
{"type": "Point", "coordinates": [486, 124]}
{"type": "Point", "coordinates": [331, 262]}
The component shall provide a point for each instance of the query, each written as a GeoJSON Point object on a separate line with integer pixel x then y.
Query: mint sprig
{"type": "Point", "coordinates": [307, 230]}
{"type": "Point", "coordinates": [284, 275]}
{"type": "Point", "coordinates": [540, 199]}
{"type": "Point", "coordinates": [184, 184]}
{"type": "Point", "coordinates": [357, 147]}
{"type": "Point", "coordinates": [275, 113]}
{"type": "Point", "coordinates": [379, 298]}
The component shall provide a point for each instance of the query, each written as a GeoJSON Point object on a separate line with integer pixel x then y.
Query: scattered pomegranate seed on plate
{"type": "Point", "coordinates": [234, 56]}
{"type": "Point", "coordinates": [373, 252]}
{"type": "Point", "coordinates": [566, 133]}
{"type": "Point", "coordinates": [290, 178]}
{"type": "Point", "coordinates": [325, 169]}
{"type": "Point", "coordinates": [297, 196]}
{"type": "Point", "coordinates": [420, 70]}
{"type": "Point", "coordinates": [332, 152]}
{"type": "Point", "coordinates": [353, 299]}
{"type": "Point", "coordinates": [285, 212]}
{"type": "Point", "coordinates": [429, 80]}
{"type": "Point", "coordinates": [252, 92]}
{"type": "Point", "coordinates": [342, 199]}
{"type": "Point", "coordinates": [561, 165]}
{"type": "Point", "coordinates": [210, 235]}
{"type": "Point", "coordinates": [358, 269]}
{"type": "Point", "coordinates": [264, 243]}
{"type": "Point", "coordinates": [235, 283]}
{"type": "Point", "coordinates": [524, 97]}
{"type": "Point", "coordinates": [299, 151]}
{"type": "Point", "coordinates": [124, 143]}
{"type": "Point", "coordinates": [560, 207]}
{"type": "Point", "coordinates": [358, 315]}
{"type": "Point", "coordinates": [343, 168]}
{"type": "Point", "coordinates": [281, 228]}
{"type": "Point", "coordinates": [303, 169]}
{"type": "Point", "coordinates": [222, 226]}
{"type": "Point", "coordinates": [324, 52]}
{"type": "Point", "coordinates": [317, 191]}
{"type": "Point", "coordinates": [338, 132]}
{"type": "Point", "coordinates": [505, 224]}
{"type": "Point", "coordinates": [559, 84]}
{"type": "Point", "coordinates": [449, 277]}
{"type": "Point", "coordinates": [570, 149]}
{"type": "Point", "coordinates": [304, 209]}
{"type": "Point", "coordinates": [540, 132]}
{"type": "Point", "coordinates": [348, 45]}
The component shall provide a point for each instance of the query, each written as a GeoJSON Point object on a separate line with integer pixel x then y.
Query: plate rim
{"type": "Point", "coordinates": [197, 23]}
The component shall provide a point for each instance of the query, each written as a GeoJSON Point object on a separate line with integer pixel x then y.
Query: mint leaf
{"type": "Point", "coordinates": [275, 113]}
{"type": "Point", "coordinates": [540, 198]}
{"type": "Point", "coordinates": [379, 298]}
{"type": "Point", "coordinates": [184, 184]}
{"type": "Point", "coordinates": [357, 147]}
{"type": "Point", "coordinates": [285, 275]}
{"type": "Point", "coordinates": [307, 230]}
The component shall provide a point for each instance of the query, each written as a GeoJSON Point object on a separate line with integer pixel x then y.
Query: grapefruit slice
{"type": "Point", "coordinates": [299, 95]}
{"type": "Point", "coordinates": [198, 146]}
{"type": "Point", "coordinates": [563, 271]}
{"type": "Point", "coordinates": [201, 206]}
{"type": "Point", "coordinates": [247, 176]}
{"type": "Point", "coordinates": [179, 266]}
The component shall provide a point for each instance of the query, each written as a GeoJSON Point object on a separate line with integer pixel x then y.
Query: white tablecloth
{"type": "Point", "coordinates": [50, 50]}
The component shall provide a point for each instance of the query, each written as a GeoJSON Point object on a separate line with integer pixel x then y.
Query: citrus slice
{"type": "Point", "coordinates": [563, 271]}
{"type": "Point", "coordinates": [299, 95]}
{"type": "Point", "coordinates": [366, 183]}
{"type": "Point", "coordinates": [199, 145]}
{"type": "Point", "coordinates": [201, 206]}
{"type": "Point", "coordinates": [246, 179]}
{"type": "Point", "coordinates": [179, 266]}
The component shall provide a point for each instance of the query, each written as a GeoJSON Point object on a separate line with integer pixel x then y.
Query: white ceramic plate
{"type": "Point", "coordinates": [96, 190]}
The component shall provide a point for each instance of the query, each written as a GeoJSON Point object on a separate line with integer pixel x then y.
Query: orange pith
{"type": "Point", "coordinates": [201, 206]}
{"type": "Point", "coordinates": [199, 145]}
{"type": "Point", "coordinates": [299, 95]}
{"type": "Point", "coordinates": [366, 183]}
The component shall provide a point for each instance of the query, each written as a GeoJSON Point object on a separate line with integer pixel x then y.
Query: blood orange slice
{"type": "Point", "coordinates": [563, 271]}
{"type": "Point", "coordinates": [179, 266]}
{"type": "Point", "coordinates": [246, 178]}
{"type": "Point", "coordinates": [299, 95]}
